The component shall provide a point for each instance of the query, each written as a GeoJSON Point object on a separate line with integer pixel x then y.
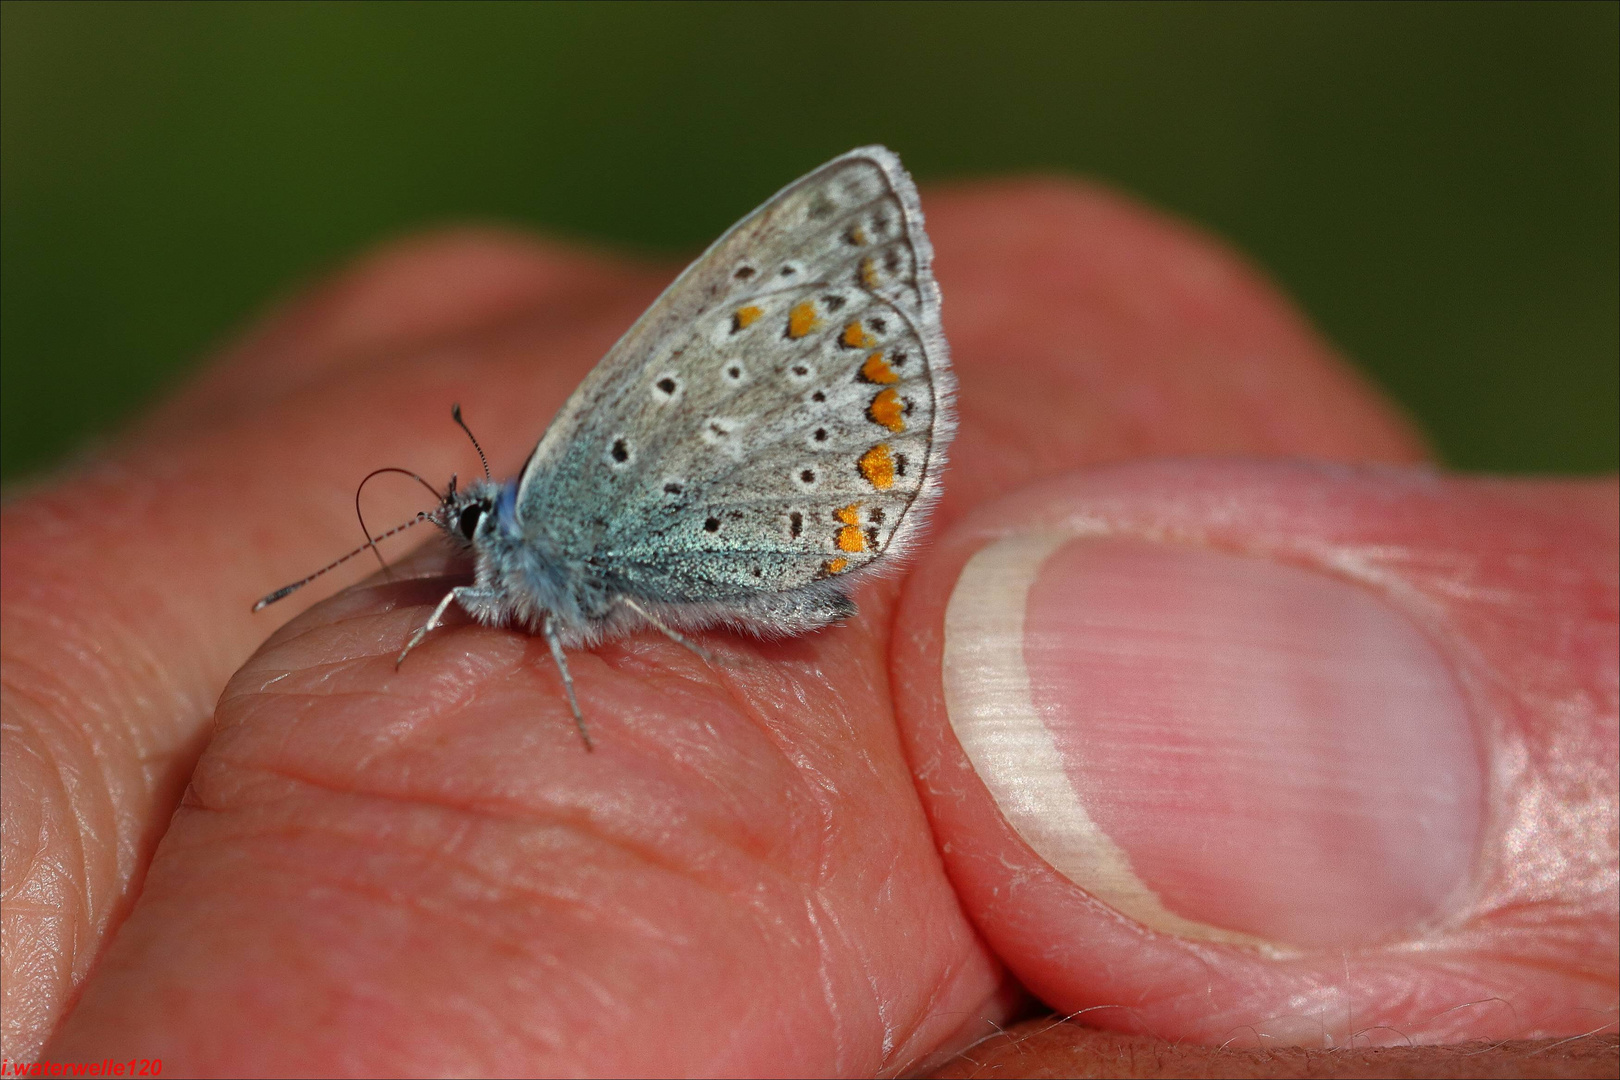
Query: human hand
{"type": "Point", "coordinates": [785, 863]}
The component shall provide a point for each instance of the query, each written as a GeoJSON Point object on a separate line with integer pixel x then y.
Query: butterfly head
{"type": "Point", "coordinates": [465, 515]}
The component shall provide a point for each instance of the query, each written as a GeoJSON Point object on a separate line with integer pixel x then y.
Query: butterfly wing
{"type": "Point", "coordinates": [777, 418]}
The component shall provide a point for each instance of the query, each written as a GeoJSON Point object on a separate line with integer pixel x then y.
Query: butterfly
{"type": "Point", "coordinates": [770, 432]}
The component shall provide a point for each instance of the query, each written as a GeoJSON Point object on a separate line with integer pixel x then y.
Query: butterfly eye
{"type": "Point", "coordinates": [470, 518]}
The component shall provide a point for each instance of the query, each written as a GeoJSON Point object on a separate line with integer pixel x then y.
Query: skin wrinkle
{"type": "Point", "coordinates": [89, 651]}
{"type": "Point", "coordinates": [816, 786]}
{"type": "Point", "coordinates": [579, 823]}
{"type": "Point", "coordinates": [734, 807]}
{"type": "Point", "coordinates": [35, 858]}
{"type": "Point", "coordinates": [83, 881]}
{"type": "Point", "coordinates": [870, 967]}
{"type": "Point", "coordinates": [798, 761]}
{"type": "Point", "coordinates": [814, 782]}
{"type": "Point", "coordinates": [703, 863]}
{"type": "Point", "coordinates": [905, 1054]}
{"type": "Point", "coordinates": [731, 1058]}
{"type": "Point", "coordinates": [51, 885]}
{"type": "Point", "coordinates": [456, 915]}
{"type": "Point", "coordinates": [410, 703]}
{"type": "Point", "coordinates": [848, 944]}
{"type": "Point", "coordinates": [525, 661]}
{"type": "Point", "coordinates": [829, 993]}
{"type": "Point", "coordinates": [306, 700]}
{"type": "Point", "coordinates": [878, 1002]}
{"type": "Point", "coordinates": [1315, 997]}
{"type": "Point", "coordinates": [681, 678]}
{"type": "Point", "coordinates": [649, 854]}
{"type": "Point", "coordinates": [907, 1058]}
{"type": "Point", "coordinates": [352, 621]}
{"type": "Point", "coordinates": [500, 892]}
{"type": "Point", "coordinates": [394, 897]}
{"type": "Point", "coordinates": [112, 792]}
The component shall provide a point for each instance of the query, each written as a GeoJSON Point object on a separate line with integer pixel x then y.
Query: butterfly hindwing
{"type": "Point", "coordinates": [777, 418]}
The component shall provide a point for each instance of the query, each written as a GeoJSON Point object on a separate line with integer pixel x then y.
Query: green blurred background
{"type": "Point", "coordinates": [1437, 185]}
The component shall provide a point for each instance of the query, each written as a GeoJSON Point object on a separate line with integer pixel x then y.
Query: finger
{"type": "Point", "coordinates": [1288, 753]}
{"type": "Point", "coordinates": [1086, 329]}
{"type": "Point", "coordinates": [128, 581]}
{"type": "Point", "coordinates": [383, 407]}
{"type": "Point", "coordinates": [699, 893]}
{"type": "Point", "coordinates": [435, 289]}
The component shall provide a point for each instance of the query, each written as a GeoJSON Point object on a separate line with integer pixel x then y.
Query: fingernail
{"type": "Point", "coordinates": [1221, 747]}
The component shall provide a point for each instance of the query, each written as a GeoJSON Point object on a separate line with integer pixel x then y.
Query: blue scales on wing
{"type": "Point", "coordinates": [773, 426]}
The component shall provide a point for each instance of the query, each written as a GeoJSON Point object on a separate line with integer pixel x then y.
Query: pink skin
{"type": "Point", "coordinates": [1533, 643]}
{"type": "Point", "coordinates": [345, 868]}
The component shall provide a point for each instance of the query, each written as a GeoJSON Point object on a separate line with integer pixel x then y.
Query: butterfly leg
{"type": "Point", "coordinates": [668, 631]}
{"type": "Point", "coordinates": [468, 596]}
{"type": "Point", "coordinates": [431, 625]}
{"type": "Point", "coordinates": [553, 640]}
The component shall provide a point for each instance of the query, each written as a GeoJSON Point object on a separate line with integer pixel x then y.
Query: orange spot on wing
{"type": "Point", "coordinates": [877, 370]}
{"type": "Point", "coordinates": [802, 319]}
{"type": "Point", "coordinates": [888, 410]}
{"type": "Point", "coordinates": [869, 274]}
{"type": "Point", "coordinates": [745, 316]}
{"type": "Point", "coordinates": [848, 515]}
{"type": "Point", "coordinates": [850, 539]}
{"type": "Point", "coordinates": [857, 235]}
{"type": "Point", "coordinates": [856, 337]}
{"type": "Point", "coordinates": [877, 465]}
{"type": "Point", "coordinates": [838, 565]}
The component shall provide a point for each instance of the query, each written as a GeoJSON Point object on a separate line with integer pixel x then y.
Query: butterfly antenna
{"type": "Point", "coordinates": [370, 541]}
{"type": "Point", "coordinates": [288, 590]}
{"type": "Point", "coordinates": [455, 414]}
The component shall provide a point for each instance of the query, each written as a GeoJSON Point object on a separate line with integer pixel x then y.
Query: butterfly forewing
{"type": "Point", "coordinates": [778, 416]}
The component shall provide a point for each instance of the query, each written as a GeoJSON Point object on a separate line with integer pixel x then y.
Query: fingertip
{"type": "Point", "coordinates": [1193, 735]}
{"type": "Point", "coordinates": [1086, 327]}
{"type": "Point", "coordinates": [405, 295]}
